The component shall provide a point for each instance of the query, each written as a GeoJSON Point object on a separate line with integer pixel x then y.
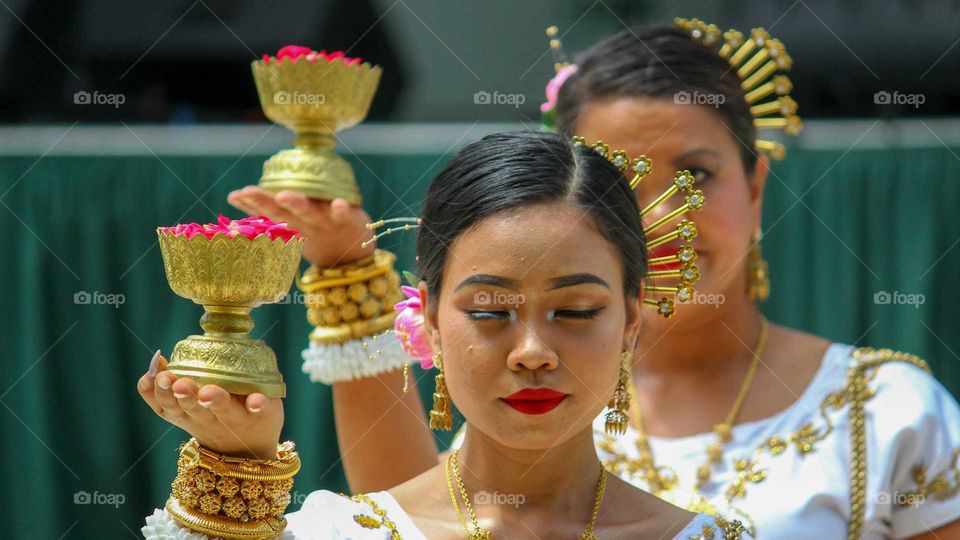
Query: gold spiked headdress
{"type": "Point", "coordinates": [659, 295]}
{"type": "Point", "coordinates": [757, 60]}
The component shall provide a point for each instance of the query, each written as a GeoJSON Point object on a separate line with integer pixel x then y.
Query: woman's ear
{"type": "Point", "coordinates": [429, 308]}
{"type": "Point", "coordinates": [631, 331]}
{"type": "Point", "coordinates": [758, 182]}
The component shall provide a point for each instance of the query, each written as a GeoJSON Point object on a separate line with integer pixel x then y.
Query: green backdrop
{"type": "Point", "coordinates": [75, 430]}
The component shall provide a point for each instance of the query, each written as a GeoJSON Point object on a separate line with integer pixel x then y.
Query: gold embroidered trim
{"type": "Point", "coordinates": [867, 361]}
{"type": "Point", "coordinates": [732, 530]}
{"type": "Point", "coordinates": [940, 488]}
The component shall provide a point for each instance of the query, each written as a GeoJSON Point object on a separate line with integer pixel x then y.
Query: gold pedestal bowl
{"type": "Point", "coordinates": [314, 100]}
{"type": "Point", "coordinates": [229, 277]}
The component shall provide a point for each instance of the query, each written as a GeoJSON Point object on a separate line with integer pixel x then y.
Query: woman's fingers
{"type": "Point", "coordinates": [185, 392]}
{"type": "Point", "coordinates": [304, 210]}
{"type": "Point", "coordinates": [216, 400]}
{"type": "Point", "coordinates": [340, 212]}
{"type": "Point", "coordinates": [238, 202]}
{"type": "Point", "coordinates": [163, 393]}
{"type": "Point", "coordinates": [259, 201]}
{"type": "Point", "coordinates": [145, 386]}
{"type": "Point", "coordinates": [257, 403]}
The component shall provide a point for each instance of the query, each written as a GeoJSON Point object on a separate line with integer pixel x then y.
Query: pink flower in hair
{"type": "Point", "coordinates": [408, 326]}
{"type": "Point", "coordinates": [553, 87]}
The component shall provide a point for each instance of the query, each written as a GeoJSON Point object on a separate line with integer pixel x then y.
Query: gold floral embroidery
{"type": "Point", "coordinates": [747, 472]}
{"type": "Point", "coordinates": [707, 533]}
{"type": "Point", "coordinates": [367, 522]}
{"type": "Point", "coordinates": [940, 488]}
{"type": "Point", "coordinates": [370, 522]}
{"type": "Point", "coordinates": [732, 529]}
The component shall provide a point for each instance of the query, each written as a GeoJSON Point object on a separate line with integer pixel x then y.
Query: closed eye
{"type": "Point", "coordinates": [701, 174]}
{"type": "Point", "coordinates": [577, 313]}
{"type": "Point", "coordinates": [484, 315]}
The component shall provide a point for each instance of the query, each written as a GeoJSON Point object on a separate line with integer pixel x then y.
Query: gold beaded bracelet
{"type": "Point", "coordinates": [232, 497]}
{"type": "Point", "coordinates": [351, 301]}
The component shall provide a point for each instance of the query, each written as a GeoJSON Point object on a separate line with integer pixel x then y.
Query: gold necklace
{"type": "Point", "coordinates": [659, 480]}
{"type": "Point", "coordinates": [475, 532]}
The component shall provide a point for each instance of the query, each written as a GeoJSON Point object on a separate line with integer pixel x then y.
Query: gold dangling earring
{"type": "Point", "coordinates": [617, 418]}
{"type": "Point", "coordinates": [440, 417]}
{"type": "Point", "coordinates": [758, 275]}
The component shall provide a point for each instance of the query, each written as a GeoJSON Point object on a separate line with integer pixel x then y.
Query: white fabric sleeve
{"type": "Point", "coordinates": [914, 424]}
{"type": "Point", "coordinates": [352, 360]}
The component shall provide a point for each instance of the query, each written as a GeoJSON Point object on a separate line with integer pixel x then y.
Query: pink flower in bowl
{"type": "Point", "coordinates": [409, 329]}
{"type": "Point", "coordinates": [251, 227]}
{"type": "Point", "coordinates": [294, 52]}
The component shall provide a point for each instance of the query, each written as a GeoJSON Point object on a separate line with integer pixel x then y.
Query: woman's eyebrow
{"type": "Point", "coordinates": [679, 158]}
{"type": "Point", "coordinates": [576, 279]}
{"type": "Point", "coordinates": [487, 279]}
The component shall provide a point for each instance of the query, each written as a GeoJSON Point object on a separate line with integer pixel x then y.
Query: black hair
{"type": "Point", "coordinates": [512, 170]}
{"type": "Point", "coordinates": [658, 62]}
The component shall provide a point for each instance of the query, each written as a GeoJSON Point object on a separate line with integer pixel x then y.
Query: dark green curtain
{"type": "Point", "coordinates": [842, 227]}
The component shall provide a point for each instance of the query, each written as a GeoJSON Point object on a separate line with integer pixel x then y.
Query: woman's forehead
{"type": "Point", "coordinates": [532, 242]}
{"type": "Point", "coordinates": [653, 126]}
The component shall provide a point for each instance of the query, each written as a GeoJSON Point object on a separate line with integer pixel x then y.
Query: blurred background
{"type": "Point", "coordinates": [121, 116]}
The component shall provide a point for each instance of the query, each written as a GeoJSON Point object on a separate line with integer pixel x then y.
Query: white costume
{"type": "Point", "coordinates": [328, 516]}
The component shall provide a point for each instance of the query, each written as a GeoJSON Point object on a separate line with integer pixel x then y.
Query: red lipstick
{"type": "Point", "coordinates": [535, 400]}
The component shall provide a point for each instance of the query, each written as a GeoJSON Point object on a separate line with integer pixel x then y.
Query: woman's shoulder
{"type": "Point", "coordinates": [898, 386]}
{"type": "Point", "coordinates": [889, 376]}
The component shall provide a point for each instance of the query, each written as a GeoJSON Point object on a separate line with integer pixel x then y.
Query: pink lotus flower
{"type": "Point", "coordinates": [408, 326]}
{"type": "Point", "coordinates": [251, 227]}
{"type": "Point", "coordinates": [293, 52]}
{"type": "Point", "coordinates": [553, 87]}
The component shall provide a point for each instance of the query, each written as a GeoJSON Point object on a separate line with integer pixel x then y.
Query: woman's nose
{"type": "Point", "coordinates": [532, 352]}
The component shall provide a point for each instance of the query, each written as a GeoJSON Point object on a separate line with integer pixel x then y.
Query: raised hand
{"type": "Point", "coordinates": [242, 426]}
{"type": "Point", "coordinates": [334, 229]}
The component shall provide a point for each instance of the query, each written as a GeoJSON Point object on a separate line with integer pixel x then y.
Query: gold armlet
{"type": "Point", "coordinates": [232, 497]}
{"type": "Point", "coordinates": [351, 301]}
